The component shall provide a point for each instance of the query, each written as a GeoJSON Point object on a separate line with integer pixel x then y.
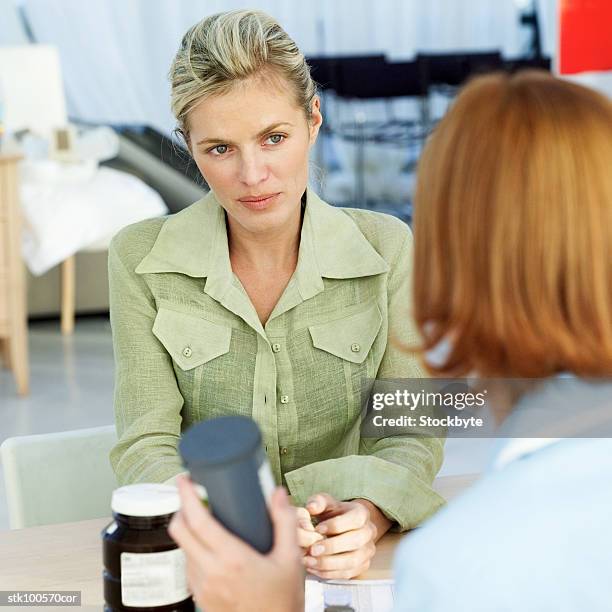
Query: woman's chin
{"type": "Point", "coordinates": [272, 217]}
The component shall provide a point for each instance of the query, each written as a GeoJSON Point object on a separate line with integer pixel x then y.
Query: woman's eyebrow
{"type": "Point", "coordinates": [266, 130]}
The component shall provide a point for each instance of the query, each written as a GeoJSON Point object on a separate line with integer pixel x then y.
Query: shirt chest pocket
{"type": "Point", "coordinates": [350, 338]}
{"type": "Point", "coordinates": [190, 340]}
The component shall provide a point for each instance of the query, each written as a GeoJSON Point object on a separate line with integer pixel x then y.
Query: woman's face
{"type": "Point", "coordinates": [251, 145]}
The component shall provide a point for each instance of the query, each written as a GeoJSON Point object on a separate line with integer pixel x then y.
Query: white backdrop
{"type": "Point", "coordinates": [11, 30]}
{"type": "Point", "coordinates": [116, 53]}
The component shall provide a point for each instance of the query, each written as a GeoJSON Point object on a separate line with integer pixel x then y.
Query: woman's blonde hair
{"type": "Point", "coordinates": [227, 48]}
{"type": "Point", "coordinates": [513, 230]}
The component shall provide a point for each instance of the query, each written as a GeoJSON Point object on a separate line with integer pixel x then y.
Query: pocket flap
{"type": "Point", "coordinates": [350, 338]}
{"type": "Point", "coordinates": [190, 340]}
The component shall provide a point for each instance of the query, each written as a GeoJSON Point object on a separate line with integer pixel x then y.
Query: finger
{"type": "Point", "coordinates": [341, 574]}
{"type": "Point", "coordinates": [354, 518]}
{"type": "Point", "coordinates": [304, 520]}
{"type": "Point", "coordinates": [201, 522]}
{"type": "Point", "coordinates": [345, 542]}
{"type": "Point", "coordinates": [195, 551]}
{"type": "Point", "coordinates": [321, 502]}
{"type": "Point", "coordinates": [285, 523]}
{"type": "Point", "coordinates": [307, 538]}
{"type": "Point", "coordinates": [195, 581]}
{"type": "Point", "coordinates": [342, 561]}
{"type": "Point", "coordinates": [306, 526]}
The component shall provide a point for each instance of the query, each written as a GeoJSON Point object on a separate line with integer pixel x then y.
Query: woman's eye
{"type": "Point", "coordinates": [219, 150]}
{"type": "Point", "coordinates": [275, 139]}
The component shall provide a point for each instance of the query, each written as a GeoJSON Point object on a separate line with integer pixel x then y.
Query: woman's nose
{"type": "Point", "coordinates": [253, 169]}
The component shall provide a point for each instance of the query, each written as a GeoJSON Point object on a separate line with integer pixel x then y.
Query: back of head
{"type": "Point", "coordinates": [513, 230]}
{"type": "Point", "coordinates": [225, 49]}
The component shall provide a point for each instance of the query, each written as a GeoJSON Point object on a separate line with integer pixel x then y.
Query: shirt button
{"type": "Point", "coordinates": [187, 352]}
{"type": "Point", "coordinates": [276, 347]}
{"type": "Point", "coordinates": [284, 399]}
{"type": "Point", "coordinates": [355, 347]}
{"type": "Point", "coordinates": [284, 450]}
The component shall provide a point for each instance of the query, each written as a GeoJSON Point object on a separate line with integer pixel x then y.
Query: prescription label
{"type": "Point", "coordinates": [153, 579]}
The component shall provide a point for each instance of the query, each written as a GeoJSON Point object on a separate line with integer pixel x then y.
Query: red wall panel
{"type": "Point", "coordinates": [585, 35]}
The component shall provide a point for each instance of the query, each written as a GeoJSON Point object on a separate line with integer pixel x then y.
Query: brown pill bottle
{"type": "Point", "coordinates": [144, 570]}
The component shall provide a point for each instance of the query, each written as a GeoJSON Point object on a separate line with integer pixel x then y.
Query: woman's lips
{"type": "Point", "coordinates": [258, 202]}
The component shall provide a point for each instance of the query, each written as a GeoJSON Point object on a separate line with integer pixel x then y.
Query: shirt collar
{"type": "Point", "coordinates": [514, 449]}
{"type": "Point", "coordinates": [194, 242]}
{"type": "Point", "coordinates": [564, 405]}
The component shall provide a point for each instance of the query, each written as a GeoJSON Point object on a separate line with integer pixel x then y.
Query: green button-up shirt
{"type": "Point", "coordinates": [189, 346]}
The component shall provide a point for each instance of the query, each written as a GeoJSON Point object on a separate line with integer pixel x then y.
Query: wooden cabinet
{"type": "Point", "coordinates": [13, 316]}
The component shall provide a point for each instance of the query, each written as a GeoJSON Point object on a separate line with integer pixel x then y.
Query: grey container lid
{"type": "Point", "coordinates": [221, 440]}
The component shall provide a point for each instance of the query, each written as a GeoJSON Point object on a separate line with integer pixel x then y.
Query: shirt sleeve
{"type": "Point", "coordinates": [147, 400]}
{"type": "Point", "coordinates": [394, 473]}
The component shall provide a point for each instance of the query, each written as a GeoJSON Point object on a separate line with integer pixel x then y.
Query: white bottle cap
{"type": "Point", "coordinates": [145, 499]}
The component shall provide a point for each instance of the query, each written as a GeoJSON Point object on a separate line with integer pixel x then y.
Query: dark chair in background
{"type": "Point", "coordinates": [375, 81]}
{"type": "Point", "coordinates": [454, 69]}
{"type": "Point", "coordinates": [353, 81]}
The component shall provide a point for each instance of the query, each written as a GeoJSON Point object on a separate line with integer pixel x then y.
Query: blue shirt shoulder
{"type": "Point", "coordinates": [535, 535]}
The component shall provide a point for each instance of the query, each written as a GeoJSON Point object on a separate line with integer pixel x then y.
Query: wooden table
{"type": "Point", "coordinates": [13, 315]}
{"type": "Point", "coordinates": [69, 556]}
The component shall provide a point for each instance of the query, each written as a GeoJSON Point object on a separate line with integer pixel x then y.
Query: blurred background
{"type": "Point", "coordinates": [88, 147]}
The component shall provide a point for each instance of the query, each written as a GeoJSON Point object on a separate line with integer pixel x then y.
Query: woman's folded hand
{"type": "Point", "coordinates": [348, 537]}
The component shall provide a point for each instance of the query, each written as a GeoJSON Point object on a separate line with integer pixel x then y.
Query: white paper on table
{"type": "Point", "coordinates": [361, 595]}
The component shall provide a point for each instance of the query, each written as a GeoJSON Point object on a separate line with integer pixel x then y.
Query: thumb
{"type": "Point", "coordinates": [320, 503]}
{"type": "Point", "coordinates": [284, 521]}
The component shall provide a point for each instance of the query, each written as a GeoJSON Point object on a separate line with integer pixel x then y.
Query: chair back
{"type": "Point", "coordinates": [58, 477]}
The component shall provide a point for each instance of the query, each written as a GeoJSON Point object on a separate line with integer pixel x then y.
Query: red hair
{"type": "Point", "coordinates": [513, 230]}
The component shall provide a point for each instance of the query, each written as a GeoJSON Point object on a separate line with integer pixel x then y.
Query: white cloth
{"type": "Point", "coordinates": [100, 144]}
{"type": "Point", "coordinates": [70, 207]}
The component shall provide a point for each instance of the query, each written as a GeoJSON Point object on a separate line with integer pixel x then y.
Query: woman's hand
{"type": "Point", "coordinates": [307, 535]}
{"type": "Point", "coordinates": [226, 574]}
{"type": "Point", "coordinates": [350, 529]}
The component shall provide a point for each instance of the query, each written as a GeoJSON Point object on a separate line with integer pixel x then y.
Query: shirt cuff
{"type": "Point", "coordinates": [399, 493]}
{"type": "Point", "coordinates": [172, 481]}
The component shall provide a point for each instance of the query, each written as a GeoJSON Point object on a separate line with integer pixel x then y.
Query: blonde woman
{"type": "Point", "coordinates": [513, 260]}
{"type": "Point", "coordinates": [262, 300]}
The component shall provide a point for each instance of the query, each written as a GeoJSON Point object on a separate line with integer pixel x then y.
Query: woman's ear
{"type": "Point", "coordinates": [316, 119]}
{"type": "Point", "coordinates": [184, 136]}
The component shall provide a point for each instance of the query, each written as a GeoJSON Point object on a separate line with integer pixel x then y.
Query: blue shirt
{"type": "Point", "coordinates": [535, 533]}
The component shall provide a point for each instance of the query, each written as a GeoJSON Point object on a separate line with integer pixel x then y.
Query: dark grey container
{"type": "Point", "coordinates": [226, 457]}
